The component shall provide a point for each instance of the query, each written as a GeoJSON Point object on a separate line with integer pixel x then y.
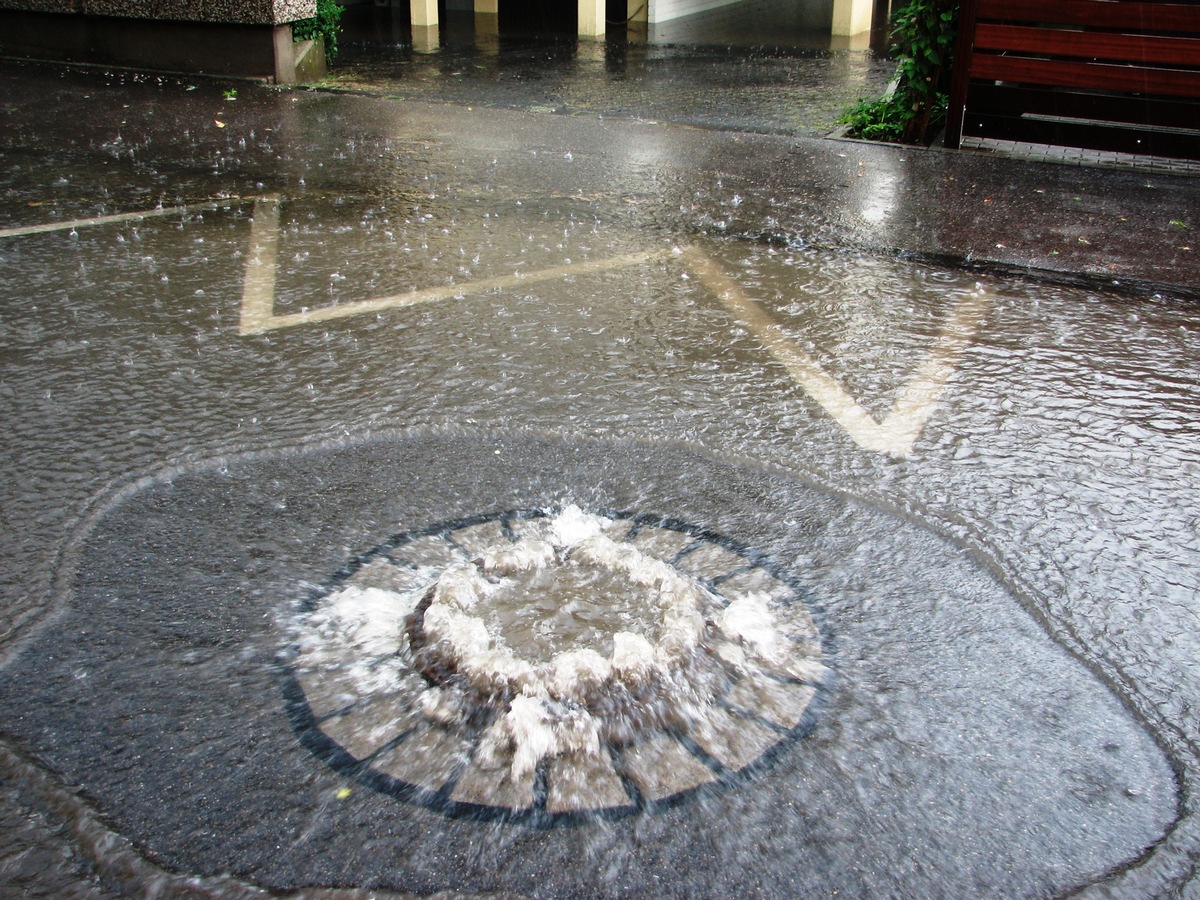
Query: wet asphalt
{"type": "Point", "coordinates": [108, 787]}
{"type": "Point", "coordinates": [1079, 224]}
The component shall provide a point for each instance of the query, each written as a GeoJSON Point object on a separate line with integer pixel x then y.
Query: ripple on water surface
{"type": "Point", "coordinates": [906, 750]}
{"type": "Point", "coordinates": [1064, 444]}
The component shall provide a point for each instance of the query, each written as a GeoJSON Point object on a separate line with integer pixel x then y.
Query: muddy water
{"type": "Point", "coordinates": [759, 66]}
{"type": "Point", "coordinates": [210, 411]}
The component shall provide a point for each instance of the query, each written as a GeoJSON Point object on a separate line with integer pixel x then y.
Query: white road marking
{"type": "Point", "coordinates": [116, 218]}
{"type": "Point", "coordinates": [258, 287]}
{"type": "Point", "coordinates": [913, 406]}
{"type": "Point", "coordinates": [258, 293]}
{"type": "Point", "coordinates": [896, 435]}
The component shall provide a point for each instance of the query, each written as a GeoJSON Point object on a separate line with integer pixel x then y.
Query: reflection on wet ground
{"type": "Point", "coordinates": [986, 488]}
{"type": "Point", "coordinates": [758, 66]}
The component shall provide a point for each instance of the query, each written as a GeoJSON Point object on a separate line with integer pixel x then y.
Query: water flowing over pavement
{"type": "Point", "coordinates": [938, 412]}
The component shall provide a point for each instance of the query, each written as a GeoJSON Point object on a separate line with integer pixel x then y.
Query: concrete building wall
{"type": "Point", "coordinates": [665, 10]}
{"type": "Point", "coordinates": [246, 38]}
{"type": "Point", "coordinates": [233, 12]}
{"type": "Point", "coordinates": [746, 22]}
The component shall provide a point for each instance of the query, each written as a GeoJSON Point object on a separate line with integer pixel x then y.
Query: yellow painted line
{"type": "Point", "coordinates": [258, 292]}
{"type": "Point", "coordinates": [447, 292]}
{"type": "Point", "coordinates": [897, 434]}
{"type": "Point", "coordinates": [258, 286]}
{"type": "Point", "coordinates": [116, 218]}
{"type": "Point", "coordinates": [914, 404]}
{"type": "Point", "coordinates": [923, 391]}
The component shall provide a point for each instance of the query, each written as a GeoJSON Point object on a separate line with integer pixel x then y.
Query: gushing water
{"type": "Point", "coordinates": [563, 647]}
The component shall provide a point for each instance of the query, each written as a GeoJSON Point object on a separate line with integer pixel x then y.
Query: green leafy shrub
{"type": "Point", "coordinates": [923, 33]}
{"type": "Point", "coordinates": [326, 23]}
{"type": "Point", "coordinates": [877, 120]}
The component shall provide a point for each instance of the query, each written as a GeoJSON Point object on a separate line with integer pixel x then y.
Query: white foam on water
{"type": "Point", "coordinates": [639, 568]}
{"type": "Point", "coordinates": [441, 706]}
{"type": "Point", "coordinates": [632, 658]}
{"type": "Point", "coordinates": [734, 655]}
{"type": "Point", "coordinates": [533, 737]}
{"type": "Point", "coordinates": [750, 621]}
{"type": "Point", "coordinates": [460, 585]}
{"type": "Point", "coordinates": [359, 631]}
{"type": "Point", "coordinates": [682, 619]}
{"type": "Point", "coordinates": [377, 676]}
{"type": "Point", "coordinates": [367, 619]}
{"type": "Point", "coordinates": [576, 672]}
{"type": "Point", "coordinates": [810, 670]}
{"type": "Point", "coordinates": [373, 618]}
{"type": "Point", "coordinates": [466, 636]}
{"type": "Point", "coordinates": [573, 525]}
{"type": "Point", "coordinates": [498, 669]}
{"type": "Point", "coordinates": [523, 557]}
{"type": "Point", "coordinates": [533, 729]}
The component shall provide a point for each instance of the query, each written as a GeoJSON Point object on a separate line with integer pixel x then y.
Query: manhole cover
{"type": "Point", "coordinates": [553, 664]}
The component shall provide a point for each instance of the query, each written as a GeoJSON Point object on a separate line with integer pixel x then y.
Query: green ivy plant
{"type": "Point", "coordinates": [326, 23]}
{"type": "Point", "coordinates": [883, 119]}
{"type": "Point", "coordinates": [923, 34]}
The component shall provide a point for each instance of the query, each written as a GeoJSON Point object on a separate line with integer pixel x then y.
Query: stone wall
{"type": "Point", "coordinates": [242, 38]}
{"type": "Point", "coordinates": [234, 12]}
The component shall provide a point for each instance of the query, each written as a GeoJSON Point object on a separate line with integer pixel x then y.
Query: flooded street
{"type": "Point", "coordinates": [261, 357]}
{"type": "Point", "coordinates": [769, 75]}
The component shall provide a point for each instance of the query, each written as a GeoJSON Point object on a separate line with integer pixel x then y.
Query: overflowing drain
{"type": "Point", "coordinates": [537, 663]}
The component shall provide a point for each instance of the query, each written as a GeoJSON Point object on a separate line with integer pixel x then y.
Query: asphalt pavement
{"type": "Point", "coordinates": [236, 357]}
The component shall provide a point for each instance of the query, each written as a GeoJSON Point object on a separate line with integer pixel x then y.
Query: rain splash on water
{"type": "Point", "coordinates": [857, 550]}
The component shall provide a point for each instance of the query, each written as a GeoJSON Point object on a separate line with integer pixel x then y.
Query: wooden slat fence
{"type": "Point", "coordinates": [1102, 74]}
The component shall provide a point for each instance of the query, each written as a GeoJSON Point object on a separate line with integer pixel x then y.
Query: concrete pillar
{"type": "Point", "coordinates": [487, 28]}
{"type": "Point", "coordinates": [591, 18]}
{"type": "Point", "coordinates": [426, 39]}
{"type": "Point", "coordinates": [860, 41]}
{"type": "Point", "coordinates": [424, 13]}
{"type": "Point", "coordinates": [297, 61]}
{"type": "Point", "coordinates": [487, 20]}
{"type": "Point", "coordinates": [852, 16]}
{"type": "Point", "coordinates": [637, 10]}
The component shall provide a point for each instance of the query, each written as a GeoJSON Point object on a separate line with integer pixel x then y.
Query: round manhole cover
{"type": "Point", "coordinates": [550, 664]}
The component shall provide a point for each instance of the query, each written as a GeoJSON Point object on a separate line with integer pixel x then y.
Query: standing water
{"type": "Point", "coordinates": [759, 65]}
{"type": "Point", "coordinates": [502, 507]}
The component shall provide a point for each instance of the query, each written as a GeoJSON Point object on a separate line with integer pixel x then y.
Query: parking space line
{"type": "Point", "coordinates": [258, 293]}
{"type": "Point", "coordinates": [920, 395]}
{"type": "Point", "coordinates": [258, 286]}
{"type": "Point", "coordinates": [116, 218]}
{"type": "Point", "coordinates": [896, 434]}
{"type": "Point", "coordinates": [916, 401]}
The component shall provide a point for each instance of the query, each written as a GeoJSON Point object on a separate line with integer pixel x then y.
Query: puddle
{"type": "Point", "coordinates": [163, 690]}
{"type": "Point", "coordinates": [511, 320]}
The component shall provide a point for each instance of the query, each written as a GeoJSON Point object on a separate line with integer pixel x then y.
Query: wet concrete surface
{"type": "Point", "coordinates": [172, 140]}
{"type": "Point", "coordinates": [1007, 548]}
{"type": "Point", "coordinates": [884, 764]}
{"type": "Point", "coordinates": [797, 82]}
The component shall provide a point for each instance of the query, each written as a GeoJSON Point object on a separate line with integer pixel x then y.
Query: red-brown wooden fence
{"type": "Point", "coordinates": [1101, 74]}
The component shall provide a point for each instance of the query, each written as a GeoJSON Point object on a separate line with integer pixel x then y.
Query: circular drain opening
{"type": "Point", "coordinates": [553, 663]}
